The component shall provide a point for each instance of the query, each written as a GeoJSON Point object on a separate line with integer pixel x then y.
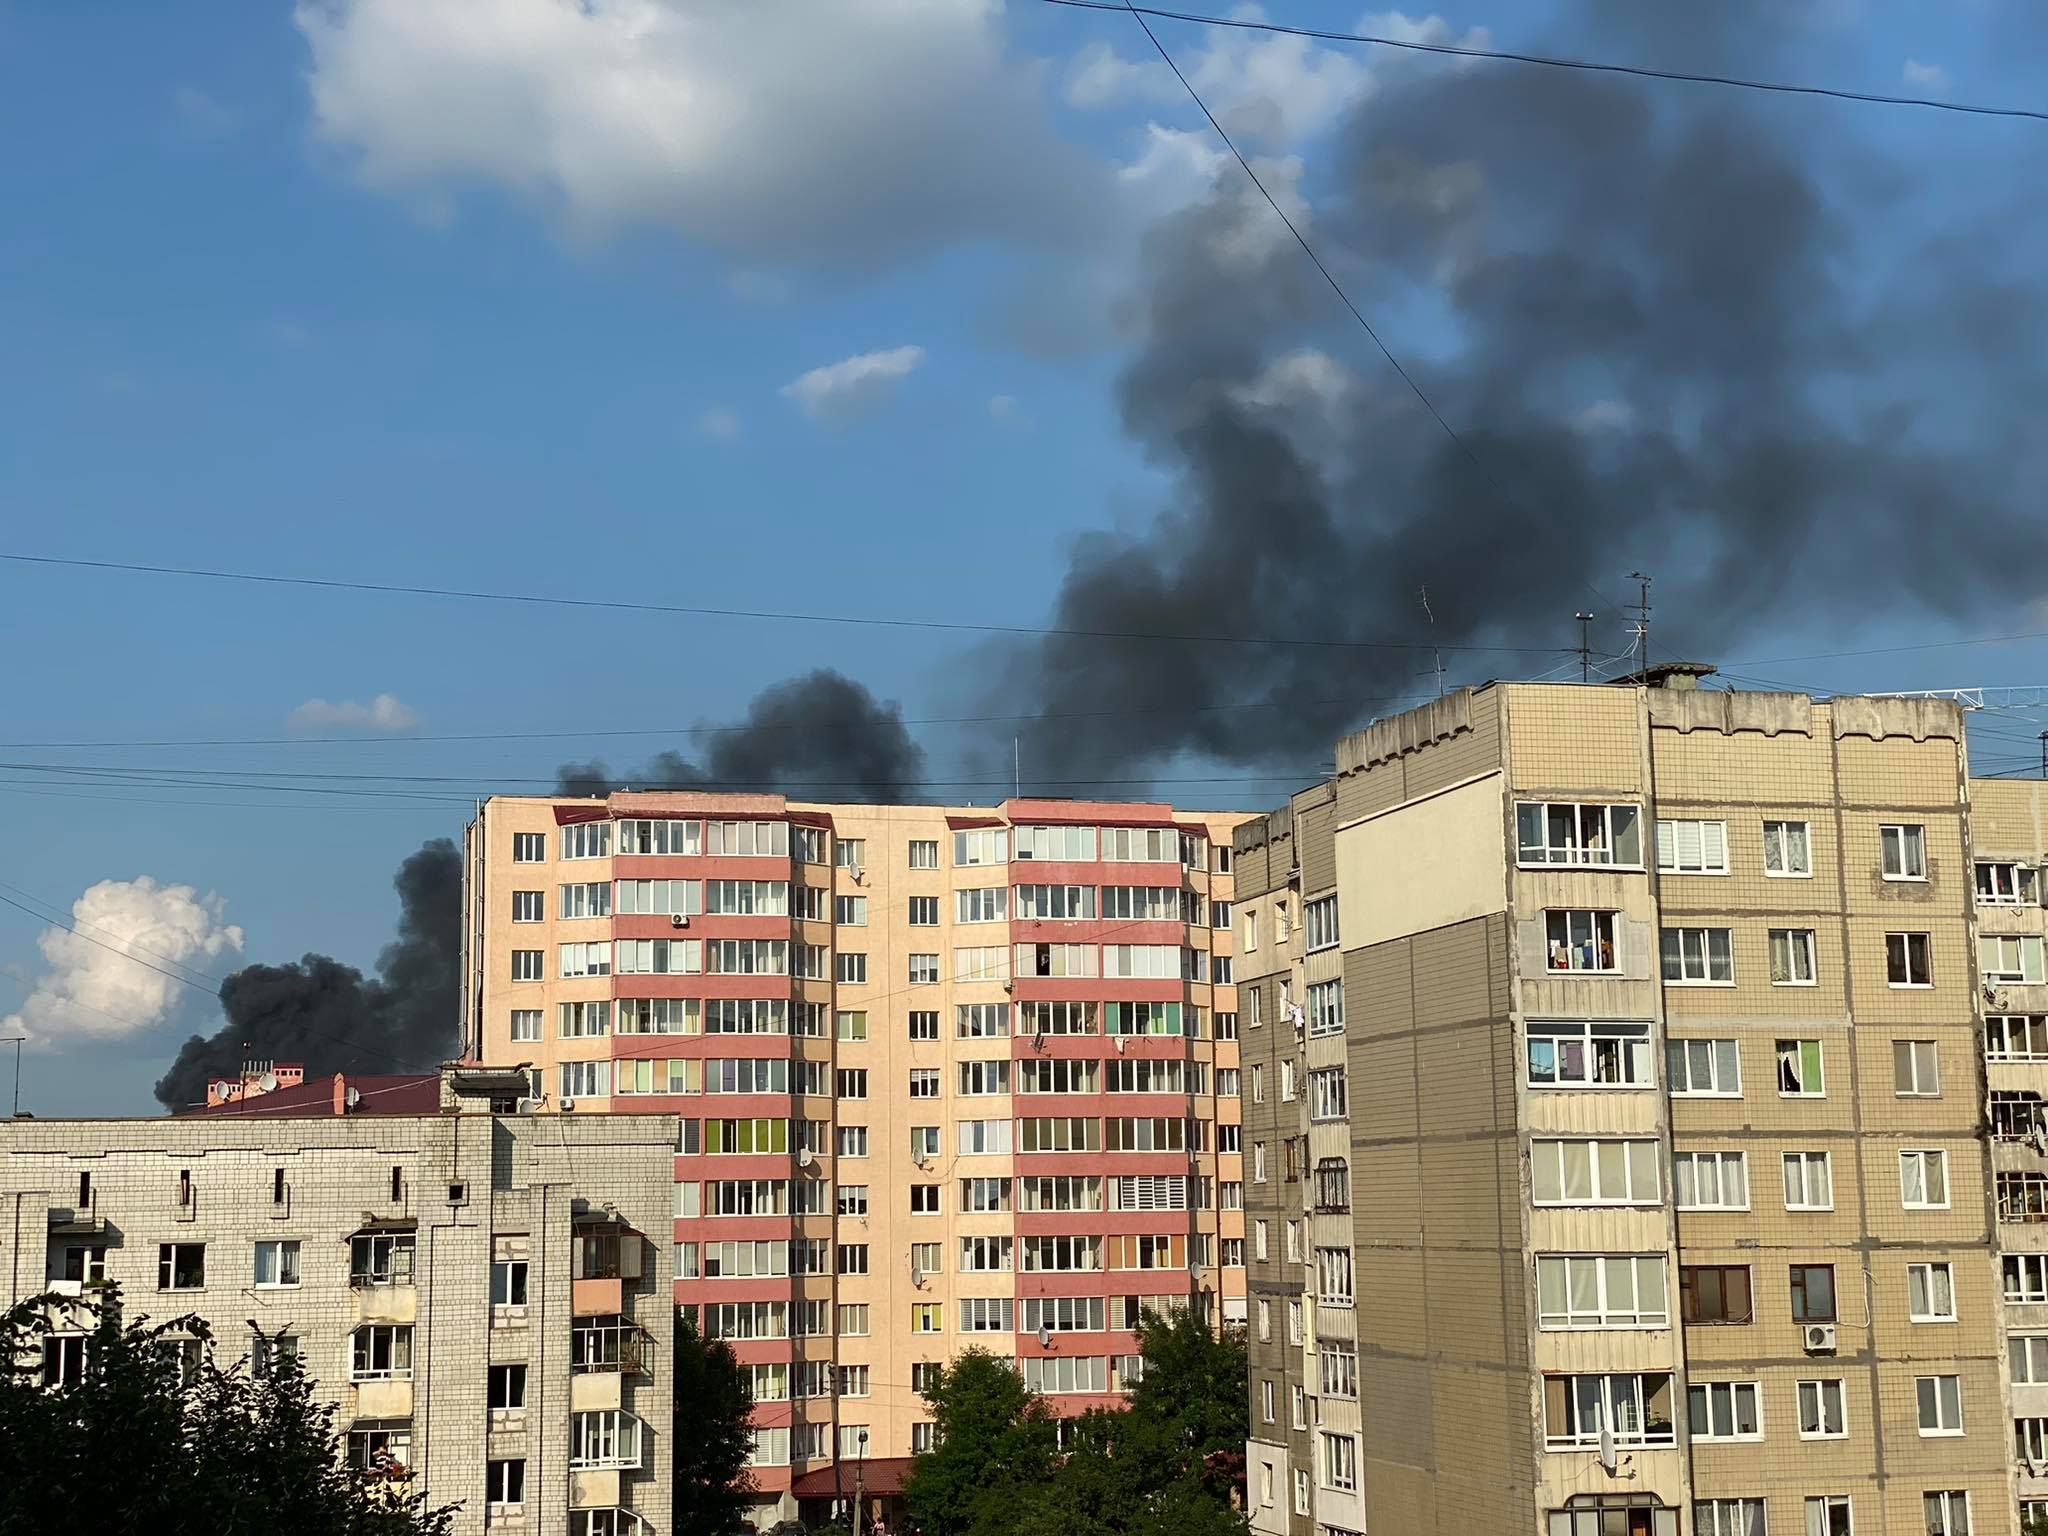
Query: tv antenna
{"type": "Point", "coordinates": [1642, 620]}
{"type": "Point", "coordinates": [1432, 635]}
{"type": "Point", "coordinates": [1585, 646]}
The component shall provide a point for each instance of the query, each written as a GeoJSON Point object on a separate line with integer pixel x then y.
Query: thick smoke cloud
{"type": "Point", "coordinates": [333, 1018]}
{"type": "Point", "coordinates": [819, 736]}
{"type": "Point", "coordinates": [1679, 330]}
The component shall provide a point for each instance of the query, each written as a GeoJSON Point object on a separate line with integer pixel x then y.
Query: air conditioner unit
{"type": "Point", "coordinates": [1820, 1338]}
{"type": "Point", "coordinates": [567, 1103]}
{"type": "Point", "coordinates": [679, 920]}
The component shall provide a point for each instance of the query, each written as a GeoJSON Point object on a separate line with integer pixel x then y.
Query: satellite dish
{"type": "Point", "coordinates": [353, 1097]}
{"type": "Point", "coordinates": [267, 1082]}
{"type": "Point", "coordinates": [1044, 1337]}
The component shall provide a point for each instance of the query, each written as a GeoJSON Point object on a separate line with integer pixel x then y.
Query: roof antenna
{"type": "Point", "coordinates": [1642, 623]}
{"type": "Point", "coordinates": [1585, 647]}
{"type": "Point", "coordinates": [1432, 631]}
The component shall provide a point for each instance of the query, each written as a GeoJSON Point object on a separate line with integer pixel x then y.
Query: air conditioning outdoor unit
{"type": "Point", "coordinates": [1820, 1338]}
{"type": "Point", "coordinates": [567, 1103]}
{"type": "Point", "coordinates": [679, 920]}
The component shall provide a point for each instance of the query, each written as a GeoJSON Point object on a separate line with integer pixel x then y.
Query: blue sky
{"type": "Point", "coordinates": [507, 295]}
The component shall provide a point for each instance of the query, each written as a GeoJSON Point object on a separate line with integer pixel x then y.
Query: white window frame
{"type": "Point", "coordinates": [1735, 1393]}
{"type": "Point", "coordinates": [1566, 939]}
{"type": "Point", "coordinates": [1800, 948]}
{"type": "Point", "coordinates": [1728, 1517]}
{"type": "Point", "coordinates": [1798, 1170]}
{"type": "Point", "coordinates": [1939, 1401]}
{"type": "Point", "coordinates": [1821, 1397]}
{"type": "Point", "coordinates": [1563, 1275]}
{"type": "Point", "coordinates": [1932, 1162]}
{"type": "Point", "coordinates": [2013, 883]}
{"type": "Point", "coordinates": [1575, 849]}
{"type": "Point", "coordinates": [1720, 1161]}
{"type": "Point", "coordinates": [1902, 850]}
{"type": "Point", "coordinates": [1928, 1272]}
{"type": "Point", "coordinates": [2033, 1287]}
{"type": "Point", "coordinates": [1721, 1053]}
{"type": "Point", "coordinates": [1630, 1053]}
{"type": "Point", "coordinates": [1554, 1157]}
{"type": "Point", "coordinates": [1919, 1084]}
{"type": "Point", "coordinates": [2011, 959]}
{"type": "Point", "coordinates": [1803, 1091]}
{"type": "Point", "coordinates": [1681, 965]}
{"type": "Point", "coordinates": [1905, 946]}
{"type": "Point", "coordinates": [1703, 852]}
{"type": "Point", "coordinates": [1939, 1508]}
{"type": "Point", "coordinates": [1785, 843]}
{"type": "Point", "coordinates": [2031, 1348]}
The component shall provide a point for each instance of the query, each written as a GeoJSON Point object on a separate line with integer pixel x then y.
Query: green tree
{"type": "Point", "coordinates": [992, 1439]}
{"type": "Point", "coordinates": [713, 1437]}
{"type": "Point", "coordinates": [151, 1435]}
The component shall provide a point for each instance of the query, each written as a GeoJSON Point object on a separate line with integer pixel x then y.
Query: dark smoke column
{"type": "Point", "coordinates": [329, 1015]}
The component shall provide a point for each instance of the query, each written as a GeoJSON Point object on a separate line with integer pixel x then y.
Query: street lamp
{"type": "Point", "coordinates": [860, 1467]}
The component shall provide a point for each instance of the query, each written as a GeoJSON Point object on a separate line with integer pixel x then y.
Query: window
{"type": "Point", "coordinates": [988, 962]}
{"type": "Point", "coordinates": [924, 1141]}
{"type": "Point", "coordinates": [607, 1438]}
{"type": "Point", "coordinates": [1724, 1410]}
{"type": "Point", "coordinates": [1792, 957]}
{"type": "Point", "coordinates": [507, 1388]}
{"type": "Point", "coordinates": [379, 1352]}
{"type": "Point", "coordinates": [587, 840]}
{"type": "Point", "coordinates": [850, 1025]}
{"type": "Point", "coordinates": [1698, 957]}
{"type": "Point", "coordinates": [1931, 1293]}
{"type": "Point", "coordinates": [1326, 1008]}
{"type": "Point", "coordinates": [924, 1025]}
{"type": "Point", "coordinates": [924, 1199]}
{"type": "Point", "coordinates": [643, 836]}
{"type": "Point", "coordinates": [924, 970]}
{"type": "Point", "coordinates": [2025, 1276]}
{"type": "Point", "coordinates": [2016, 1037]}
{"type": "Point", "coordinates": [1581, 941]}
{"type": "Point", "coordinates": [1728, 1517]}
{"type": "Point", "coordinates": [508, 1283]}
{"type": "Point", "coordinates": [2011, 958]}
{"type": "Point", "coordinates": [1634, 1409]}
{"type": "Point", "coordinates": [584, 1020]}
{"type": "Point", "coordinates": [1947, 1512]}
{"type": "Point", "coordinates": [1821, 1414]}
{"type": "Point", "coordinates": [1799, 1074]}
{"type": "Point", "coordinates": [86, 1264]}
{"type": "Point", "coordinates": [1923, 1180]}
{"type": "Point", "coordinates": [1903, 851]}
{"type": "Point", "coordinates": [525, 1024]}
{"type": "Point", "coordinates": [1594, 1172]}
{"type": "Point", "coordinates": [1265, 1320]}
{"type": "Point", "coordinates": [1813, 1293]}
{"type": "Point", "coordinates": [851, 1141]}
{"type": "Point", "coordinates": [982, 906]}
{"type": "Point", "coordinates": [586, 1079]}
{"type": "Point", "coordinates": [1327, 1099]}
{"type": "Point", "coordinates": [924, 853]}
{"type": "Point", "coordinates": [527, 965]}
{"type": "Point", "coordinates": [925, 1317]}
{"type": "Point", "coordinates": [1905, 960]}
{"type": "Point", "coordinates": [1915, 1069]}
{"type": "Point", "coordinates": [277, 1263]}
{"type": "Point", "coordinates": [382, 1450]}
{"type": "Point", "coordinates": [380, 1258]}
{"type": "Point", "coordinates": [924, 911]}
{"type": "Point", "coordinates": [1578, 834]}
{"type": "Point", "coordinates": [1287, 1080]}
{"type": "Point", "coordinates": [530, 906]}
{"type": "Point", "coordinates": [504, 1485]}
{"type": "Point", "coordinates": [1580, 1054]}
{"type": "Point", "coordinates": [1808, 1186]}
{"type": "Point", "coordinates": [2008, 885]}
{"type": "Point", "coordinates": [1711, 1181]}
{"type": "Point", "coordinates": [181, 1266]}
{"type": "Point", "coordinates": [1941, 1404]}
{"type": "Point", "coordinates": [1704, 1068]}
{"type": "Point", "coordinates": [529, 847]}
{"type": "Point", "coordinates": [1714, 1293]}
{"type": "Point", "coordinates": [1601, 1291]}
{"type": "Point", "coordinates": [1319, 918]}
{"type": "Point", "coordinates": [1301, 1488]}
{"type": "Point", "coordinates": [2029, 1355]}
{"type": "Point", "coordinates": [1692, 847]}
{"type": "Point", "coordinates": [63, 1359]}
{"type": "Point", "coordinates": [850, 852]}
{"type": "Point", "coordinates": [591, 898]}
{"type": "Point", "coordinates": [1334, 1277]}
{"type": "Point", "coordinates": [986, 845]}
{"type": "Point", "coordinates": [1340, 1462]}
{"type": "Point", "coordinates": [852, 969]}
{"type": "Point", "coordinates": [1828, 1515]}
{"type": "Point", "coordinates": [850, 911]}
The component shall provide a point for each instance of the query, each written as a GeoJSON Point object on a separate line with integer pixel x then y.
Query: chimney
{"type": "Point", "coordinates": [340, 1094]}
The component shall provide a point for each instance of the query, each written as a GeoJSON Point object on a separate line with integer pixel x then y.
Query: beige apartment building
{"type": "Point", "coordinates": [483, 1294]}
{"type": "Point", "coordinates": [1616, 1125]}
{"type": "Point", "coordinates": [946, 1076]}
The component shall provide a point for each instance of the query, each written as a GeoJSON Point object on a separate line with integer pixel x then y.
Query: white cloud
{"type": "Point", "coordinates": [1926, 77]}
{"type": "Point", "coordinates": [719, 423]}
{"type": "Point", "coordinates": [843, 390]}
{"type": "Point", "coordinates": [846, 133]}
{"type": "Point", "coordinates": [94, 987]}
{"type": "Point", "coordinates": [385, 714]}
{"type": "Point", "coordinates": [1605, 416]}
{"type": "Point", "coordinates": [1304, 378]}
{"type": "Point", "coordinates": [1267, 89]}
{"type": "Point", "coordinates": [1003, 407]}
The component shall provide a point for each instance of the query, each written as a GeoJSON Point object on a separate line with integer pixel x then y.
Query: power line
{"type": "Point", "coordinates": [766, 614]}
{"type": "Point", "coordinates": [1558, 61]}
{"type": "Point", "coordinates": [31, 896]}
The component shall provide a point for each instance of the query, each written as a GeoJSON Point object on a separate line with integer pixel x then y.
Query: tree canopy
{"type": "Point", "coordinates": [712, 1439]}
{"type": "Point", "coordinates": [144, 1434]}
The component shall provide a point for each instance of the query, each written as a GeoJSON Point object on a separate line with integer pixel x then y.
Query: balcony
{"type": "Point", "coordinates": [390, 1398]}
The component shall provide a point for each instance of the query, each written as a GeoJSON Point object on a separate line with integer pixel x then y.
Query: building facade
{"type": "Point", "coordinates": [1616, 1065]}
{"type": "Point", "coordinates": [946, 1077]}
{"type": "Point", "coordinates": [483, 1294]}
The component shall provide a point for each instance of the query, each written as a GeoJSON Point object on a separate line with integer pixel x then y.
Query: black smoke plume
{"type": "Point", "coordinates": [821, 736]}
{"type": "Point", "coordinates": [332, 1017]}
{"type": "Point", "coordinates": [1678, 329]}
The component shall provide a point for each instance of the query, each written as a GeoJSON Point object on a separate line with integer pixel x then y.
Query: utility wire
{"type": "Point", "coordinates": [1556, 61]}
{"type": "Point", "coordinates": [768, 614]}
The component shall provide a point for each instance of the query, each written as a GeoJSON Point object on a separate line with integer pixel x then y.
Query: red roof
{"type": "Point", "coordinates": [879, 1476]}
{"type": "Point", "coordinates": [409, 1093]}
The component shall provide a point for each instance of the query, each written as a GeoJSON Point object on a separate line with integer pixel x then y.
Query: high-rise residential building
{"type": "Point", "coordinates": [1615, 1066]}
{"type": "Point", "coordinates": [482, 1294]}
{"type": "Point", "coordinates": [946, 1077]}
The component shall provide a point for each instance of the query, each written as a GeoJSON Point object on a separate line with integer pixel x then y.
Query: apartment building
{"type": "Point", "coordinates": [1615, 1109]}
{"type": "Point", "coordinates": [946, 1077]}
{"type": "Point", "coordinates": [482, 1294]}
